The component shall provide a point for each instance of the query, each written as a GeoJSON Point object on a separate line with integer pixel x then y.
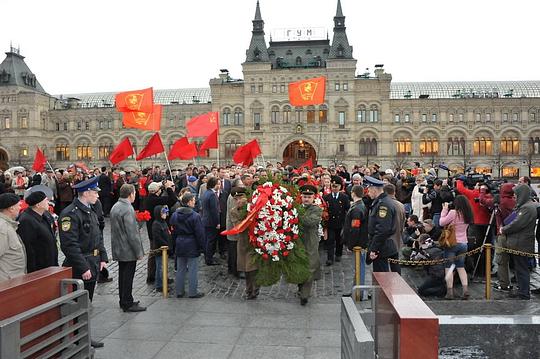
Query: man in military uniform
{"type": "Point", "coordinates": [338, 205]}
{"type": "Point", "coordinates": [381, 227]}
{"type": "Point", "coordinates": [309, 223]}
{"type": "Point", "coordinates": [81, 239]}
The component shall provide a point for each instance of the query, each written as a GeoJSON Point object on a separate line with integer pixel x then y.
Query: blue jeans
{"type": "Point", "coordinates": [436, 219]}
{"type": "Point", "coordinates": [191, 265]}
{"type": "Point", "coordinates": [459, 248]}
{"type": "Point", "coordinates": [159, 272]}
{"type": "Point", "coordinates": [408, 209]}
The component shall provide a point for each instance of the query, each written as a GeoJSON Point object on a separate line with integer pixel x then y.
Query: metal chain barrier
{"type": "Point", "coordinates": [433, 261]}
{"type": "Point", "coordinates": [517, 253]}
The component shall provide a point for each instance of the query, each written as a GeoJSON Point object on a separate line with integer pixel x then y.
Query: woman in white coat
{"type": "Point", "coordinates": [416, 197]}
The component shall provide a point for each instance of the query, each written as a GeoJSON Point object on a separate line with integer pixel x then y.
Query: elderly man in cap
{"type": "Point", "coordinates": [81, 239]}
{"type": "Point", "coordinates": [12, 251]}
{"type": "Point", "coordinates": [309, 221]}
{"type": "Point", "coordinates": [381, 226]}
{"type": "Point", "coordinates": [36, 228]}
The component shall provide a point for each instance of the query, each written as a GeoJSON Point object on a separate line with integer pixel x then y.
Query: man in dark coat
{"type": "Point", "coordinates": [36, 231]}
{"type": "Point", "coordinates": [355, 226]}
{"type": "Point", "coordinates": [155, 198]}
{"type": "Point", "coordinates": [81, 239]}
{"type": "Point", "coordinates": [105, 184]}
{"type": "Point", "coordinates": [224, 192]}
{"type": "Point", "coordinates": [338, 205]}
{"type": "Point", "coordinates": [381, 227]}
{"type": "Point", "coordinates": [210, 207]}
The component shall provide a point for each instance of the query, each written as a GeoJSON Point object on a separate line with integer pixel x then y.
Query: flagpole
{"type": "Point", "coordinates": [169, 166]}
{"type": "Point", "coordinates": [50, 166]}
{"type": "Point", "coordinates": [218, 148]}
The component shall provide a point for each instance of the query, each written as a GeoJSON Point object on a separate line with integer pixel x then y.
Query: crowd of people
{"type": "Point", "coordinates": [393, 214]}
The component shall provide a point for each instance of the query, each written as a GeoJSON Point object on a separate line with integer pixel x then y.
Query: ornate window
{"type": "Point", "coordinates": [483, 146]}
{"type": "Point", "coordinates": [62, 152]}
{"type": "Point", "coordinates": [298, 61]}
{"type": "Point", "coordinates": [368, 147]}
{"type": "Point", "coordinates": [311, 114]}
{"type": "Point", "coordinates": [407, 117]}
{"type": "Point", "coordinates": [429, 146]}
{"type": "Point", "coordinates": [361, 114]}
{"type": "Point", "coordinates": [238, 116]}
{"type": "Point", "coordinates": [84, 152]}
{"type": "Point", "coordinates": [257, 121]}
{"type": "Point", "coordinates": [403, 146]}
{"type": "Point", "coordinates": [397, 118]}
{"type": "Point", "coordinates": [104, 151]}
{"type": "Point", "coordinates": [455, 146]}
{"type": "Point", "coordinates": [341, 119]}
{"type": "Point", "coordinates": [226, 117]}
{"type": "Point", "coordinates": [231, 145]}
{"type": "Point", "coordinates": [298, 112]}
{"type": "Point", "coordinates": [374, 114]}
{"type": "Point", "coordinates": [323, 114]}
{"type": "Point", "coordinates": [510, 145]}
{"type": "Point", "coordinates": [534, 145]}
{"type": "Point", "coordinates": [274, 115]}
{"type": "Point", "coordinates": [286, 114]}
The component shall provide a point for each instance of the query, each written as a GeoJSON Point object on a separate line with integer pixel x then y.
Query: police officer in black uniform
{"type": "Point", "coordinates": [81, 239]}
{"type": "Point", "coordinates": [381, 228]}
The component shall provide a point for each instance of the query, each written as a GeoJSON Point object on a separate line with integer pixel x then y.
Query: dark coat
{"type": "Point", "coordinates": [210, 209]}
{"type": "Point", "coordinates": [188, 232]}
{"type": "Point", "coordinates": [39, 240]}
{"type": "Point", "coordinates": [520, 233]}
{"type": "Point", "coordinates": [105, 184]}
{"type": "Point", "coordinates": [437, 198]}
{"type": "Point", "coordinates": [79, 237]}
{"type": "Point", "coordinates": [337, 209]}
{"type": "Point", "coordinates": [381, 227]}
{"type": "Point", "coordinates": [355, 229]}
{"type": "Point", "coordinates": [160, 230]}
{"type": "Point", "coordinates": [152, 201]}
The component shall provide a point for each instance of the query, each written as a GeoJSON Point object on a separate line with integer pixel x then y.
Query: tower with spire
{"type": "Point", "coordinates": [340, 44]}
{"type": "Point", "coordinates": [257, 52]}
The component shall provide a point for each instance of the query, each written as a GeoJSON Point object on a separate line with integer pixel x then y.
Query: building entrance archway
{"type": "Point", "coordinates": [3, 160]}
{"type": "Point", "coordinates": [298, 152]}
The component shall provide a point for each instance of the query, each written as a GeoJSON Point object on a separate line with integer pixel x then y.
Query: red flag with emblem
{"type": "Point", "coordinates": [143, 120]}
{"type": "Point", "coordinates": [135, 101]}
{"type": "Point", "coordinates": [154, 147]}
{"type": "Point", "coordinates": [39, 161]}
{"type": "Point", "coordinates": [307, 92]}
{"type": "Point", "coordinates": [203, 125]}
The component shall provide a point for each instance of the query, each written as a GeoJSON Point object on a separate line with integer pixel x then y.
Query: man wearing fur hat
{"type": "Point", "coordinates": [12, 251]}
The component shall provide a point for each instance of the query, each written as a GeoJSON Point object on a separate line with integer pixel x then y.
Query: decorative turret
{"type": "Point", "coordinates": [340, 44]}
{"type": "Point", "coordinates": [257, 52]}
{"type": "Point", "coordinates": [15, 72]}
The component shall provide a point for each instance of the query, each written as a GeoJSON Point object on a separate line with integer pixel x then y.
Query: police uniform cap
{"type": "Point", "coordinates": [35, 197]}
{"type": "Point", "coordinates": [372, 182]}
{"type": "Point", "coordinates": [90, 184]}
{"type": "Point", "coordinates": [238, 191]}
{"type": "Point", "coordinates": [8, 199]}
{"type": "Point", "coordinates": [336, 180]}
{"type": "Point", "coordinates": [308, 189]}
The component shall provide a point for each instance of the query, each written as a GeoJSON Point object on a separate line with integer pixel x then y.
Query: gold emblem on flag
{"type": "Point", "coordinates": [307, 90]}
{"type": "Point", "coordinates": [141, 118]}
{"type": "Point", "coordinates": [212, 118]}
{"type": "Point", "coordinates": [133, 101]}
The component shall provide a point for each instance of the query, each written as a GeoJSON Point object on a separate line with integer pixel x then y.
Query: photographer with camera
{"type": "Point", "coordinates": [404, 188]}
{"type": "Point", "coordinates": [437, 195]}
{"type": "Point", "coordinates": [503, 205]}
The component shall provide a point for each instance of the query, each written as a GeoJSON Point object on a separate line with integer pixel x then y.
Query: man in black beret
{"type": "Point", "coordinates": [12, 251]}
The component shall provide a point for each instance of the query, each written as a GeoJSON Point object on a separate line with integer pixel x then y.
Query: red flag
{"type": "Point", "coordinates": [203, 125]}
{"type": "Point", "coordinates": [307, 92]}
{"type": "Point", "coordinates": [245, 154]}
{"type": "Point", "coordinates": [210, 142]}
{"type": "Point", "coordinates": [183, 149]}
{"type": "Point", "coordinates": [143, 120]}
{"type": "Point", "coordinates": [203, 153]}
{"type": "Point", "coordinates": [154, 147]}
{"type": "Point", "coordinates": [308, 164]}
{"type": "Point", "coordinates": [135, 101]}
{"type": "Point", "coordinates": [39, 161]}
{"type": "Point", "coordinates": [121, 152]}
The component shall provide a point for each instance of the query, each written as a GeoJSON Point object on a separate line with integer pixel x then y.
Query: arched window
{"type": "Point", "coordinates": [238, 116]}
{"type": "Point", "coordinates": [534, 145]}
{"type": "Point", "coordinates": [403, 146]}
{"type": "Point", "coordinates": [84, 152]}
{"type": "Point", "coordinates": [374, 114]}
{"type": "Point", "coordinates": [455, 146]}
{"type": "Point", "coordinates": [62, 152]}
{"type": "Point", "coordinates": [510, 146]}
{"type": "Point", "coordinates": [274, 115]}
{"type": "Point", "coordinates": [323, 114]}
{"type": "Point", "coordinates": [368, 147]}
{"type": "Point", "coordinates": [361, 114]}
{"type": "Point", "coordinates": [298, 111]}
{"type": "Point", "coordinates": [226, 117]}
{"type": "Point", "coordinates": [483, 146]}
{"type": "Point", "coordinates": [429, 146]}
{"type": "Point", "coordinates": [298, 61]}
{"type": "Point", "coordinates": [231, 145]}
{"type": "Point", "coordinates": [104, 151]}
{"type": "Point", "coordinates": [311, 114]}
{"type": "Point", "coordinates": [286, 114]}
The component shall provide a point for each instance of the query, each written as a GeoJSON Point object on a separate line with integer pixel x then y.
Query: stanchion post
{"type": "Point", "coordinates": [165, 271]}
{"type": "Point", "coordinates": [357, 251]}
{"type": "Point", "coordinates": [487, 249]}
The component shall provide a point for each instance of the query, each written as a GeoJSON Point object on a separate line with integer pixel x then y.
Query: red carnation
{"type": "Point", "coordinates": [285, 254]}
{"type": "Point", "coordinates": [265, 256]}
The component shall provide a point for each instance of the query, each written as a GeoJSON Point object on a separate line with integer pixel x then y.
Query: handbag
{"type": "Point", "coordinates": [448, 236]}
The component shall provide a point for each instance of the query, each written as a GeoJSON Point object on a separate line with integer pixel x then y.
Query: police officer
{"type": "Point", "coordinates": [81, 239]}
{"type": "Point", "coordinates": [381, 227]}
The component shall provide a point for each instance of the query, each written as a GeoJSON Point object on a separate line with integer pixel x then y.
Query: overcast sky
{"type": "Point", "coordinates": [110, 45]}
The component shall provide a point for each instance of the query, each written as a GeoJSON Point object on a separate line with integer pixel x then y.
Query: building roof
{"type": "Point", "coordinates": [480, 89]}
{"type": "Point", "coordinates": [15, 72]}
{"type": "Point", "coordinates": [163, 97]}
{"type": "Point", "coordinates": [306, 53]}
